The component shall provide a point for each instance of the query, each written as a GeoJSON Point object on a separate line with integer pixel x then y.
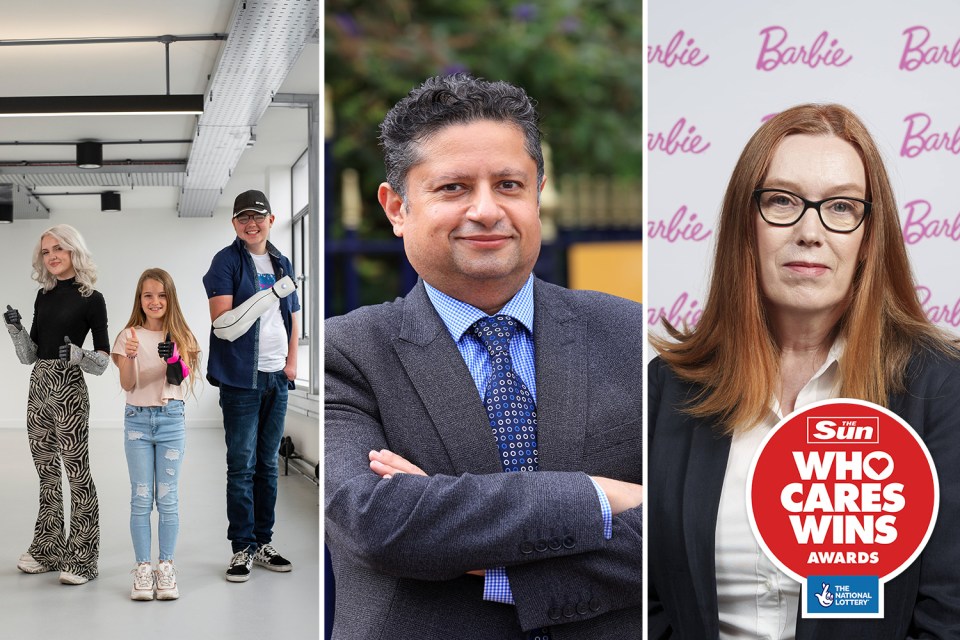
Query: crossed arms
{"type": "Point", "coordinates": [386, 513]}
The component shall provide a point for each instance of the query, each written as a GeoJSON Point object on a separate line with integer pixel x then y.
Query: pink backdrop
{"type": "Point", "coordinates": [717, 70]}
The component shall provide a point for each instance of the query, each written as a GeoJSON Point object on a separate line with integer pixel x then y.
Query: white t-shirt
{"type": "Point", "coordinates": [273, 335]}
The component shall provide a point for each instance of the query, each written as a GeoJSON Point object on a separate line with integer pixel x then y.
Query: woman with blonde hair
{"type": "Point", "coordinates": [811, 298]}
{"type": "Point", "coordinates": [155, 353]}
{"type": "Point", "coordinates": [67, 308]}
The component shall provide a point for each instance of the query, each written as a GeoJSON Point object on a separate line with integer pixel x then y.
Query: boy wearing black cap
{"type": "Point", "coordinates": [253, 360]}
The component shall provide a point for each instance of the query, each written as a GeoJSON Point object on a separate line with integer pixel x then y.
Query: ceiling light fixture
{"type": "Point", "coordinates": [110, 201]}
{"type": "Point", "coordinates": [6, 203]}
{"type": "Point", "coordinates": [107, 105]}
{"type": "Point", "coordinates": [89, 155]}
{"type": "Point", "coordinates": [28, 106]}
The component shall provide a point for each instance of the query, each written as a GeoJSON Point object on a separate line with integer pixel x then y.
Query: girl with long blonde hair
{"type": "Point", "coordinates": [158, 357]}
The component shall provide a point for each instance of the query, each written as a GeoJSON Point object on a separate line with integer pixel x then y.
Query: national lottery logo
{"type": "Point", "coordinates": [842, 496]}
{"type": "Point", "coordinates": [825, 598]}
{"type": "Point", "coordinates": [846, 596]}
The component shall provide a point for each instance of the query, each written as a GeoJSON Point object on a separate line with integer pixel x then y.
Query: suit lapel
{"type": "Point", "coordinates": [437, 370]}
{"type": "Point", "coordinates": [561, 360]}
{"type": "Point", "coordinates": [701, 501]}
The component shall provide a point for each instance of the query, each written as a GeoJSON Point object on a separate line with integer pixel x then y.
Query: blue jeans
{"type": "Point", "coordinates": [153, 440]}
{"type": "Point", "coordinates": [253, 425]}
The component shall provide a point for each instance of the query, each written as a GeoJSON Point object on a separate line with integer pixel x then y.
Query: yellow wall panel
{"type": "Point", "coordinates": [611, 267]}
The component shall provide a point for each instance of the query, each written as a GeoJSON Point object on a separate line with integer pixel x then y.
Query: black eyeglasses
{"type": "Point", "coordinates": [244, 218]}
{"type": "Point", "coordinates": [784, 209]}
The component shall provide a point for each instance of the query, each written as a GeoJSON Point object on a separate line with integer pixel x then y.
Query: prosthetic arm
{"type": "Point", "coordinates": [22, 344]}
{"type": "Point", "coordinates": [237, 321]}
{"type": "Point", "coordinates": [94, 362]}
{"type": "Point", "coordinates": [177, 369]}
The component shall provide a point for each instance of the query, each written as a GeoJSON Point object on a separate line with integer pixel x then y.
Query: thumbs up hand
{"type": "Point", "coordinates": [69, 352]}
{"type": "Point", "coordinates": [177, 369]}
{"type": "Point", "coordinates": [12, 318]}
{"type": "Point", "coordinates": [168, 350]}
{"type": "Point", "coordinates": [94, 362]}
{"type": "Point", "coordinates": [132, 348]}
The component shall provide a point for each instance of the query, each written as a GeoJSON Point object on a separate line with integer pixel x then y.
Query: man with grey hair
{"type": "Point", "coordinates": [483, 433]}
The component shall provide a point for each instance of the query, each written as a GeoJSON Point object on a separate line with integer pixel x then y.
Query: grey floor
{"type": "Point", "coordinates": [269, 605]}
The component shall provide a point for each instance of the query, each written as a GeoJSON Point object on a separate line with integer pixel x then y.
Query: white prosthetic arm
{"type": "Point", "coordinates": [237, 321]}
{"type": "Point", "coordinates": [22, 344]}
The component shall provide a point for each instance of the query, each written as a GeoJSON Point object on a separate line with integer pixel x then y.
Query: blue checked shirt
{"type": "Point", "coordinates": [459, 317]}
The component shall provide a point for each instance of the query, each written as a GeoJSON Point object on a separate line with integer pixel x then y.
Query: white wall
{"type": "Point", "coordinates": [123, 244]}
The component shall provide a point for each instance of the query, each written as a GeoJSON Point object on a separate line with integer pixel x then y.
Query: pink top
{"type": "Point", "coordinates": [151, 388]}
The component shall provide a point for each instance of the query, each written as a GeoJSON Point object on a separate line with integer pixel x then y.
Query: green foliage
{"type": "Point", "coordinates": [581, 61]}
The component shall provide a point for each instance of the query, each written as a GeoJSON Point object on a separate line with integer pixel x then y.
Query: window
{"type": "Point", "coordinates": [300, 205]}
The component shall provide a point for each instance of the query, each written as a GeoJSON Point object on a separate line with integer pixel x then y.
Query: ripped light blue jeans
{"type": "Point", "coordinates": [153, 439]}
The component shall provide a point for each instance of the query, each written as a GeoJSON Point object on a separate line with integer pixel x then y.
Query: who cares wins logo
{"type": "Point", "coordinates": [842, 496]}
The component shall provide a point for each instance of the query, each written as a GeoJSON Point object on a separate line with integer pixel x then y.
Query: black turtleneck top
{"type": "Point", "coordinates": [62, 311]}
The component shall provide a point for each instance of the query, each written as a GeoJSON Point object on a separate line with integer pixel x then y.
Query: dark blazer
{"type": "Point", "coordinates": [401, 547]}
{"type": "Point", "coordinates": [688, 459]}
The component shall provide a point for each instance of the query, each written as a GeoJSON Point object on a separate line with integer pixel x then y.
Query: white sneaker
{"type": "Point", "coordinates": [166, 577]}
{"type": "Point", "coordinates": [142, 582]}
{"type": "Point", "coordinates": [71, 578]}
{"type": "Point", "coordinates": [28, 565]}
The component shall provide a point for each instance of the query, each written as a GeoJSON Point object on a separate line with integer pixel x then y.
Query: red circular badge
{"type": "Point", "coordinates": [842, 487]}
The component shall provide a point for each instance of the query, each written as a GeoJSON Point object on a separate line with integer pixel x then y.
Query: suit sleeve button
{"type": "Point", "coordinates": [569, 611]}
{"type": "Point", "coordinates": [526, 547]}
{"type": "Point", "coordinates": [541, 546]}
{"type": "Point", "coordinates": [594, 604]}
{"type": "Point", "coordinates": [569, 542]}
{"type": "Point", "coordinates": [582, 608]}
{"type": "Point", "coordinates": [554, 613]}
{"type": "Point", "coordinates": [555, 543]}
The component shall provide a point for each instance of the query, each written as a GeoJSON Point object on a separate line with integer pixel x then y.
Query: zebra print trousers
{"type": "Point", "coordinates": [58, 427]}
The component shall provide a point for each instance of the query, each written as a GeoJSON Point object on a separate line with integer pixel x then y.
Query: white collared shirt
{"type": "Point", "coordinates": [757, 600]}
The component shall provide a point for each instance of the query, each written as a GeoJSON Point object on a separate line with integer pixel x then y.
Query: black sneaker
{"type": "Point", "coordinates": [268, 558]}
{"type": "Point", "coordinates": [239, 569]}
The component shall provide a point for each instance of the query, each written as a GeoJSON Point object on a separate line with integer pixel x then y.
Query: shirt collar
{"type": "Point", "coordinates": [827, 374]}
{"type": "Point", "coordinates": [458, 316]}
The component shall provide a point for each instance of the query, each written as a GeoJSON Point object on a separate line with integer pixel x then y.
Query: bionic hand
{"type": "Point", "coordinates": [236, 322]}
{"type": "Point", "coordinates": [94, 362]}
{"type": "Point", "coordinates": [22, 344]}
{"type": "Point", "coordinates": [177, 369]}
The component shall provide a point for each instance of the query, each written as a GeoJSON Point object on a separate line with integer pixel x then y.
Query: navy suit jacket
{"type": "Point", "coordinates": [400, 547]}
{"type": "Point", "coordinates": [688, 459]}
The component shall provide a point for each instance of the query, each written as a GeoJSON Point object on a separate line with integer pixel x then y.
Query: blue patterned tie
{"type": "Point", "coordinates": [510, 405]}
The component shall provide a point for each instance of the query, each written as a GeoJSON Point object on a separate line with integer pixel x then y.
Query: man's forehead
{"type": "Point", "coordinates": [424, 148]}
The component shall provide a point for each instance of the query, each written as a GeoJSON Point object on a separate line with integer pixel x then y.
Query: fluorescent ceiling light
{"type": "Point", "coordinates": [100, 105]}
